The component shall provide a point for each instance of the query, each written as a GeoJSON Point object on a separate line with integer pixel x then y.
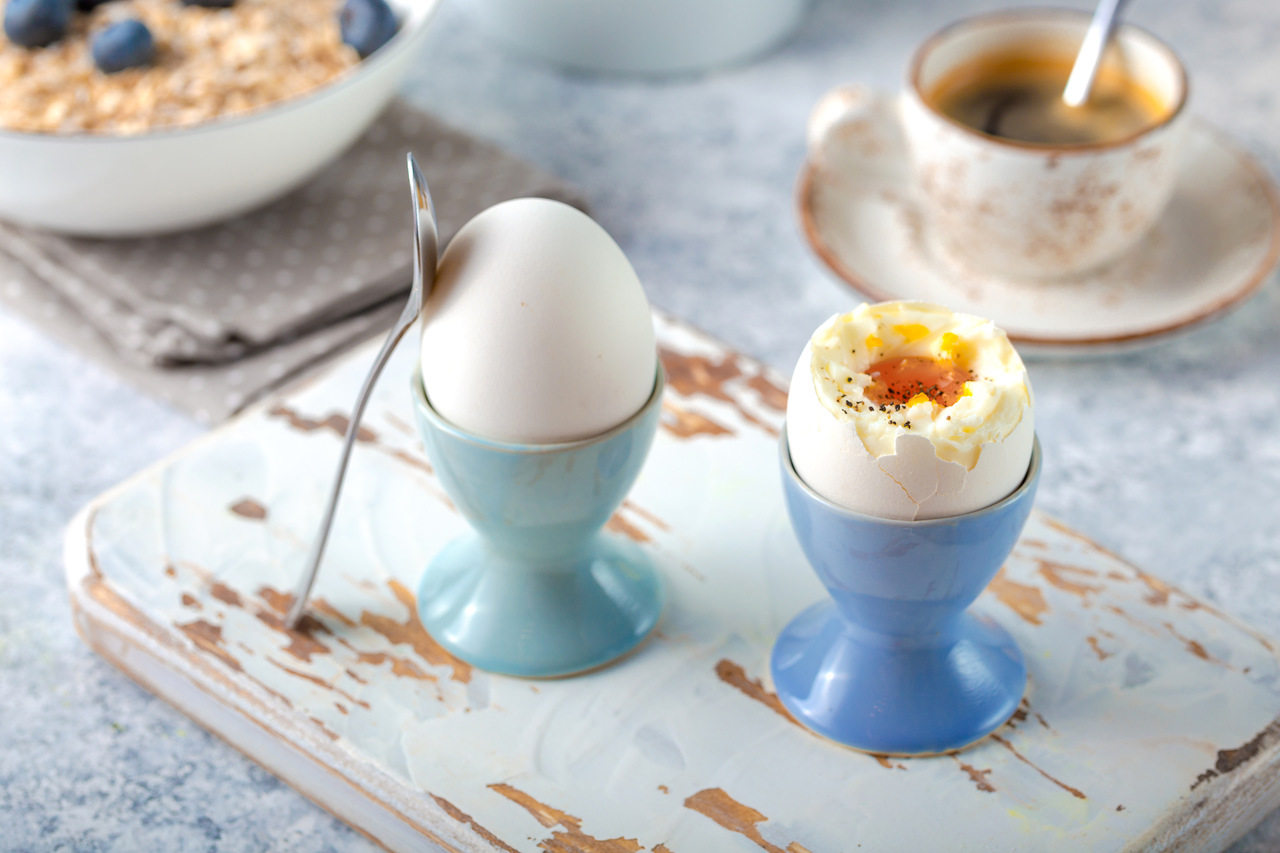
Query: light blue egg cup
{"type": "Point", "coordinates": [537, 589]}
{"type": "Point", "coordinates": [894, 663]}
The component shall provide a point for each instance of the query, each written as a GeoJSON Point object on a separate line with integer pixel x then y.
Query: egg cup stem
{"type": "Point", "coordinates": [536, 589]}
{"type": "Point", "coordinates": [539, 620]}
{"type": "Point", "coordinates": [894, 663]}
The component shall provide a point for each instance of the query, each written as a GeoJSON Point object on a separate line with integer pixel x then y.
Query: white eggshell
{"type": "Point", "coordinates": [910, 484]}
{"type": "Point", "coordinates": [537, 330]}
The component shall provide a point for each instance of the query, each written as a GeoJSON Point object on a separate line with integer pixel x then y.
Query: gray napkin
{"type": "Point", "coordinates": [212, 319]}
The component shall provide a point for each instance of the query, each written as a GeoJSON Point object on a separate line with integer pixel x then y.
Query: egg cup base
{"type": "Point", "coordinates": [540, 620]}
{"type": "Point", "coordinates": [906, 700]}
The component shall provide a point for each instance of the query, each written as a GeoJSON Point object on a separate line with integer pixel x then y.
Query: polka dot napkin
{"type": "Point", "coordinates": [212, 319]}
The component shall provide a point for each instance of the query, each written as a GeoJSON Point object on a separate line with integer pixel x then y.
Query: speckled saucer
{"type": "Point", "coordinates": [1215, 245]}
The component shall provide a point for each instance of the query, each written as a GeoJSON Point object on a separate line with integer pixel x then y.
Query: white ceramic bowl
{"type": "Point", "coordinates": [640, 36]}
{"type": "Point", "coordinates": [171, 180]}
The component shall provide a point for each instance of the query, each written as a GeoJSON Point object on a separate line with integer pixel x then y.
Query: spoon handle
{"type": "Point", "coordinates": [303, 590]}
{"type": "Point", "coordinates": [1090, 55]}
{"type": "Point", "coordinates": [426, 250]}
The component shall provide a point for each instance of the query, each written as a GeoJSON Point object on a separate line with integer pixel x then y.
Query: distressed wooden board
{"type": "Point", "coordinates": [1150, 722]}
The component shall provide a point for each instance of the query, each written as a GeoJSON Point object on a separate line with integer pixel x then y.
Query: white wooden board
{"type": "Point", "coordinates": [1150, 721]}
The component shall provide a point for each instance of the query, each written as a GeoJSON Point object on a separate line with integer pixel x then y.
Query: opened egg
{"type": "Point", "coordinates": [906, 410]}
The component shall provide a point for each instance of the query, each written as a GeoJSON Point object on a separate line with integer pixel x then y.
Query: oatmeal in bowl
{"type": "Point", "coordinates": [132, 117]}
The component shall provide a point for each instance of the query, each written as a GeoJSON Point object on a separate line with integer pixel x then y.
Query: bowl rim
{"type": "Point", "coordinates": [1028, 483]}
{"type": "Point", "coordinates": [423, 405]}
{"type": "Point", "coordinates": [407, 38]}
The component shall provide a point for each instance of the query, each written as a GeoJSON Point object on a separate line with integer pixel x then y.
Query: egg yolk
{"type": "Point", "coordinates": [901, 380]}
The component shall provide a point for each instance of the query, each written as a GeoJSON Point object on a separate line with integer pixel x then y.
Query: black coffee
{"type": "Point", "coordinates": [1018, 96]}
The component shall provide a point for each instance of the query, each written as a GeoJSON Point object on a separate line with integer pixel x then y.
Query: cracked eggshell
{"type": "Point", "coordinates": [537, 330]}
{"type": "Point", "coordinates": [910, 484]}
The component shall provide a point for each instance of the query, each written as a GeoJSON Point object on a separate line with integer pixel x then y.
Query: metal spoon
{"type": "Point", "coordinates": [426, 251]}
{"type": "Point", "coordinates": [1090, 55]}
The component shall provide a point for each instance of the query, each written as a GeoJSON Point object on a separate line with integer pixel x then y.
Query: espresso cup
{"type": "Point", "coordinates": [1026, 210]}
{"type": "Point", "coordinates": [1021, 210]}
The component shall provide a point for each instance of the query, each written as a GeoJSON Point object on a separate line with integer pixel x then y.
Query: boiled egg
{"type": "Point", "coordinates": [907, 410]}
{"type": "Point", "coordinates": [537, 330]}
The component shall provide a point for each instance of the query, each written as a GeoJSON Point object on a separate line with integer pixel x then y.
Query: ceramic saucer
{"type": "Point", "coordinates": [1212, 249]}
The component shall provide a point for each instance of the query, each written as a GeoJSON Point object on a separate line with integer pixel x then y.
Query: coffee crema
{"type": "Point", "coordinates": [1017, 95]}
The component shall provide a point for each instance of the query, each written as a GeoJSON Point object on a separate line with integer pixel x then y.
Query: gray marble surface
{"type": "Point", "coordinates": [1170, 456]}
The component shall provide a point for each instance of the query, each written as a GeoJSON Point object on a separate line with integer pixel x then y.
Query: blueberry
{"type": "Point", "coordinates": [212, 4]}
{"type": "Point", "coordinates": [88, 5]}
{"type": "Point", "coordinates": [36, 23]}
{"type": "Point", "coordinates": [127, 44]}
{"type": "Point", "coordinates": [367, 24]}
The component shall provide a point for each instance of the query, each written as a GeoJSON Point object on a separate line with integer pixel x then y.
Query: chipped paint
{"type": "Point", "coordinates": [686, 424]}
{"type": "Point", "coordinates": [399, 424]}
{"type": "Point", "coordinates": [1204, 777]}
{"type": "Point", "coordinates": [1159, 590]}
{"type": "Point", "coordinates": [1231, 759]}
{"type": "Point", "coordinates": [189, 600]}
{"type": "Point", "coordinates": [278, 601]}
{"type": "Point", "coordinates": [1097, 649]}
{"type": "Point", "coordinates": [225, 594]}
{"type": "Point", "coordinates": [1075, 792]}
{"type": "Point", "coordinates": [324, 730]}
{"type": "Point", "coordinates": [571, 839]}
{"type": "Point", "coordinates": [208, 638]}
{"type": "Point", "coordinates": [1194, 646]}
{"type": "Point", "coordinates": [400, 667]}
{"type": "Point", "coordinates": [319, 605]}
{"type": "Point", "coordinates": [735, 817]}
{"type": "Point", "coordinates": [977, 777]}
{"type": "Point", "coordinates": [249, 508]}
{"type": "Point", "coordinates": [694, 375]}
{"type": "Point", "coordinates": [1025, 600]}
{"type": "Point", "coordinates": [618, 524]}
{"type": "Point", "coordinates": [338, 424]}
{"type": "Point", "coordinates": [319, 682]}
{"type": "Point", "coordinates": [1059, 576]}
{"type": "Point", "coordinates": [462, 817]}
{"type": "Point", "coordinates": [735, 676]}
{"type": "Point", "coordinates": [631, 506]}
{"type": "Point", "coordinates": [1132, 620]}
{"type": "Point", "coordinates": [771, 394]}
{"type": "Point", "coordinates": [302, 641]}
{"type": "Point", "coordinates": [410, 632]}
{"type": "Point", "coordinates": [886, 762]}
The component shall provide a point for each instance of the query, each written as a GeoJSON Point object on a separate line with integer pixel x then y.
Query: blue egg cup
{"type": "Point", "coordinates": [894, 663]}
{"type": "Point", "coordinates": [536, 589]}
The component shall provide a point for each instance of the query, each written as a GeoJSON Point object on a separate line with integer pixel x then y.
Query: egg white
{"type": "Point", "coordinates": [919, 461]}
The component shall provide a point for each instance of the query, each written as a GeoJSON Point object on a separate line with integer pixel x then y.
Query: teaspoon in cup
{"type": "Point", "coordinates": [1089, 58]}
